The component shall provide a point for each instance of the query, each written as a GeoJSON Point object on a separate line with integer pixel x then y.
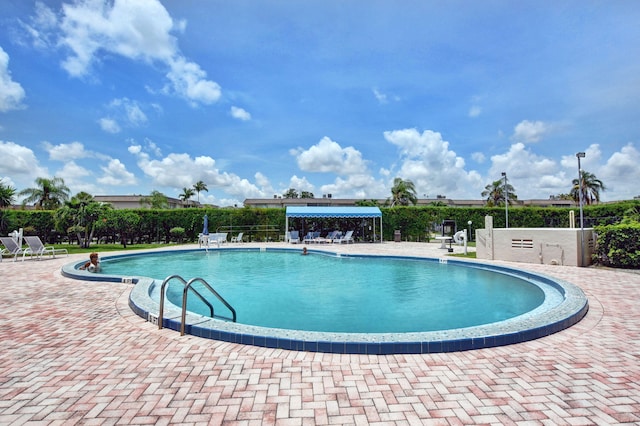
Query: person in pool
{"type": "Point", "coordinates": [93, 265]}
{"type": "Point", "coordinates": [304, 251]}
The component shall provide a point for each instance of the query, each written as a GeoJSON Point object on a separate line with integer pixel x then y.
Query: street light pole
{"type": "Point", "coordinates": [506, 199]}
{"type": "Point", "coordinates": [580, 155]}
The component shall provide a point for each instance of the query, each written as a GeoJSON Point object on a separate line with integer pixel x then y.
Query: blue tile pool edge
{"type": "Point", "coordinates": [574, 307]}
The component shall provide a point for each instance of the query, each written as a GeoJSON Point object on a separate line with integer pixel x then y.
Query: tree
{"type": "Point", "coordinates": [591, 188]}
{"type": "Point", "coordinates": [306, 194]}
{"type": "Point", "coordinates": [200, 186]}
{"type": "Point", "coordinates": [155, 200]}
{"type": "Point", "coordinates": [49, 194]}
{"type": "Point", "coordinates": [187, 193]}
{"type": "Point", "coordinates": [81, 212]}
{"type": "Point", "coordinates": [403, 192]}
{"type": "Point", "coordinates": [495, 193]}
{"type": "Point", "coordinates": [291, 193]}
{"type": "Point", "coordinates": [7, 194]}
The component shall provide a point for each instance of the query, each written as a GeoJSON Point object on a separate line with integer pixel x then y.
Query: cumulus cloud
{"type": "Point", "coordinates": [426, 160]}
{"type": "Point", "coordinates": [478, 157]}
{"type": "Point", "coordinates": [329, 156]}
{"type": "Point", "coordinates": [529, 173]}
{"type": "Point", "coordinates": [11, 93]}
{"type": "Point", "coordinates": [66, 151]}
{"type": "Point", "coordinates": [115, 173]}
{"type": "Point", "coordinates": [178, 170]}
{"type": "Point", "coordinates": [240, 114]}
{"type": "Point", "coordinates": [18, 160]}
{"type": "Point", "coordinates": [530, 131]}
{"type": "Point", "coordinates": [139, 30]}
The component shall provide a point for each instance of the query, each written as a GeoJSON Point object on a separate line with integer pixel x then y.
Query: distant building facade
{"type": "Point", "coordinates": [134, 202]}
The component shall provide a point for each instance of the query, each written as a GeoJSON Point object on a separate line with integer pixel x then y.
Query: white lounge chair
{"type": "Point", "coordinates": [11, 247]}
{"type": "Point", "coordinates": [36, 248]}
{"type": "Point", "coordinates": [346, 238]}
{"type": "Point", "coordinates": [293, 237]}
{"type": "Point", "coordinates": [237, 239]}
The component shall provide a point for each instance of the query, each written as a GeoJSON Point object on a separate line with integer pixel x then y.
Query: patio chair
{"type": "Point", "coordinates": [293, 237]}
{"type": "Point", "coordinates": [237, 239]}
{"type": "Point", "coordinates": [11, 247]}
{"type": "Point", "coordinates": [346, 238]}
{"type": "Point", "coordinates": [36, 248]}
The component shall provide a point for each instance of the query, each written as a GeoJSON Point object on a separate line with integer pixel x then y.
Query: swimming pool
{"type": "Point", "coordinates": [549, 305]}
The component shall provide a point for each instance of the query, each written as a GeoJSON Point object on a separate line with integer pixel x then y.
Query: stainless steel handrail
{"type": "Point", "coordinates": [187, 287]}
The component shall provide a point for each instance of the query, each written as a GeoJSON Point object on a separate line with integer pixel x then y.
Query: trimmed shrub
{"type": "Point", "coordinates": [618, 246]}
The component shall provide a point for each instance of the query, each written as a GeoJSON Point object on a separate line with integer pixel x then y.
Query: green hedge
{"type": "Point", "coordinates": [261, 224]}
{"type": "Point", "coordinates": [618, 246]}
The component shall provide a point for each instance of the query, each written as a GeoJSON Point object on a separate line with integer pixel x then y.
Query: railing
{"type": "Point", "coordinates": [187, 287]}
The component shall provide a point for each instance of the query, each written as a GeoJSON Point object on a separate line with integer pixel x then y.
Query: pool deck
{"type": "Point", "coordinates": [72, 352]}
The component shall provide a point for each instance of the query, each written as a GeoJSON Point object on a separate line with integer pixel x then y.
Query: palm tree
{"type": "Point", "coordinates": [49, 194]}
{"type": "Point", "coordinates": [7, 194]}
{"type": "Point", "coordinates": [187, 193]}
{"type": "Point", "coordinates": [403, 192]}
{"type": "Point", "coordinates": [591, 188]}
{"type": "Point", "coordinates": [200, 186]}
{"type": "Point", "coordinates": [495, 193]}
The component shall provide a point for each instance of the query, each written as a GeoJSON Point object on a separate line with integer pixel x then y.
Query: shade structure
{"type": "Point", "coordinates": [334, 212]}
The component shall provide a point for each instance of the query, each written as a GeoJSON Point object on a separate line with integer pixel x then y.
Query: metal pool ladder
{"type": "Point", "coordinates": [187, 287]}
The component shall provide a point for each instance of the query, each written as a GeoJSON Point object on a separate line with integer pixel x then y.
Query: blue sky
{"type": "Point", "coordinates": [333, 97]}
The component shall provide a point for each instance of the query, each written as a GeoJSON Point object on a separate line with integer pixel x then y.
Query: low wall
{"type": "Point", "coordinates": [551, 246]}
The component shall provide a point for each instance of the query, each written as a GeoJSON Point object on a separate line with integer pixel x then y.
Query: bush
{"type": "Point", "coordinates": [618, 246]}
{"type": "Point", "coordinates": [177, 234]}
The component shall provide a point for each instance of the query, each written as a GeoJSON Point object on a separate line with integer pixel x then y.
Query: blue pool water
{"type": "Point", "coordinates": [340, 294]}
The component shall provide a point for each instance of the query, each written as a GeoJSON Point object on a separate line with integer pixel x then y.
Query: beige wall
{"type": "Point", "coordinates": [551, 246]}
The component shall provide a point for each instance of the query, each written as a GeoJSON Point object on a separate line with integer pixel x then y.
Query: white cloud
{"type": "Point", "coordinates": [131, 111]}
{"type": "Point", "coordinates": [139, 30]}
{"type": "Point", "coordinates": [240, 114]}
{"type": "Point", "coordinates": [116, 173]}
{"type": "Point", "coordinates": [11, 93]}
{"type": "Point", "coordinates": [66, 151]}
{"type": "Point", "coordinates": [530, 131]}
{"type": "Point", "coordinates": [428, 162]}
{"type": "Point", "coordinates": [329, 156]}
{"type": "Point", "coordinates": [109, 125]}
{"type": "Point", "coordinates": [478, 157]}
{"type": "Point", "coordinates": [300, 184]}
{"type": "Point", "coordinates": [181, 170]}
{"type": "Point", "coordinates": [529, 173]}
{"type": "Point", "coordinates": [621, 173]}
{"type": "Point", "coordinates": [19, 162]}
{"type": "Point", "coordinates": [189, 81]}
{"type": "Point", "coordinates": [356, 186]}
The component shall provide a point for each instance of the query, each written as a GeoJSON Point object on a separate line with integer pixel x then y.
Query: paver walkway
{"type": "Point", "coordinates": [73, 353]}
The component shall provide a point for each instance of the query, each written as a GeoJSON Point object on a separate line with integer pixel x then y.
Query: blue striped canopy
{"type": "Point", "coordinates": [295, 211]}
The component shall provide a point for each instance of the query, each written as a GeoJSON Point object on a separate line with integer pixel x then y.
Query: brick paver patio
{"type": "Point", "coordinates": [73, 352]}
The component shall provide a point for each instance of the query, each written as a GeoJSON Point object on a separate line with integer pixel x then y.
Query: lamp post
{"type": "Point", "coordinates": [506, 200]}
{"type": "Point", "coordinates": [580, 155]}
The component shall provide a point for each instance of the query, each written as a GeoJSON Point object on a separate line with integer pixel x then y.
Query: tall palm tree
{"type": "Point", "coordinates": [200, 186]}
{"type": "Point", "coordinates": [403, 192]}
{"type": "Point", "coordinates": [591, 188]}
{"type": "Point", "coordinates": [7, 194]}
{"type": "Point", "coordinates": [495, 193]}
{"type": "Point", "coordinates": [49, 194]}
{"type": "Point", "coordinates": [187, 193]}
